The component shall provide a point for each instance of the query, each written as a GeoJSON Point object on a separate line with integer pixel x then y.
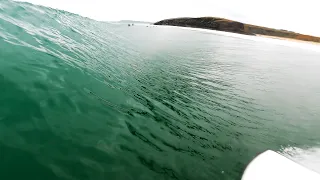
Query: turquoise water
{"type": "Point", "coordinates": [82, 99]}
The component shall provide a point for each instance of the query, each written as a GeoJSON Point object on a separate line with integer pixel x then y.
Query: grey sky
{"type": "Point", "coordinates": [297, 15]}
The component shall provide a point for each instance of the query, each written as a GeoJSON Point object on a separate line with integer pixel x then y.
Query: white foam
{"type": "Point", "coordinates": [309, 158]}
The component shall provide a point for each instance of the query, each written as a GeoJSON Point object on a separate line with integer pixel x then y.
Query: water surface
{"type": "Point", "coordinates": [82, 99]}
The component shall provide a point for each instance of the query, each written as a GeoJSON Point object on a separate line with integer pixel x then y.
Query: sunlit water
{"type": "Point", "coordinates": [82, 99]}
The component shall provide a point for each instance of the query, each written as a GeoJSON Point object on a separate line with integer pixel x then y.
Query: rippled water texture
{"type": "Point", "coordinates": [82, 99]}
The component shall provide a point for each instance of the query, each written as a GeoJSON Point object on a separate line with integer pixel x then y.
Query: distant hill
{"type": "Point", "coordinates": [227, 25]}
{"type": "Point", "coordinates": [134, 22]}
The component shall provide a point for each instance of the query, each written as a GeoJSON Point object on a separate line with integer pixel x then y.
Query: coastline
{"type": "Point", "coordinates": [226, 25]}
{"type": "Point", "coordinates": [288, 39]}
{"type": "Point", "coordinates": [307, 45]}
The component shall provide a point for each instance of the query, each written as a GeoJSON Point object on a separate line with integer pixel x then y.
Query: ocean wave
{"type": "Point", "coordinates": [82, 99]}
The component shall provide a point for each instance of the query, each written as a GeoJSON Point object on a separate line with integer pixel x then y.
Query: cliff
{"type": "Point", "coordinates": [227, 25]}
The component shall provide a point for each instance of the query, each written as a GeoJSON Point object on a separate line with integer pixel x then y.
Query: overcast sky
{"type": "Point", "coordinates": [297, 15]}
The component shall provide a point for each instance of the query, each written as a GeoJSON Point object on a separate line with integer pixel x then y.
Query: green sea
{"type": "Point", "coordinates": [87, 100]}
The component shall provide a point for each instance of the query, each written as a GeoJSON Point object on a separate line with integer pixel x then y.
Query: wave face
{"type": "Point", "coordinates": [81, 99]}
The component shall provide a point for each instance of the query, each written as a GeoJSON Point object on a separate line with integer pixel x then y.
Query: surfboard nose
{"type": "Point", "coordinates": [271, 165]}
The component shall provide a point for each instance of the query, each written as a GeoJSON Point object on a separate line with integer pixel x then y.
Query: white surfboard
{"type": "Point", "coordinates": [273, 166]}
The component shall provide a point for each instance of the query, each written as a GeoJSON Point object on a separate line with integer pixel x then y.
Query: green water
{"type": "Point", "coordinates": [81, 99]}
